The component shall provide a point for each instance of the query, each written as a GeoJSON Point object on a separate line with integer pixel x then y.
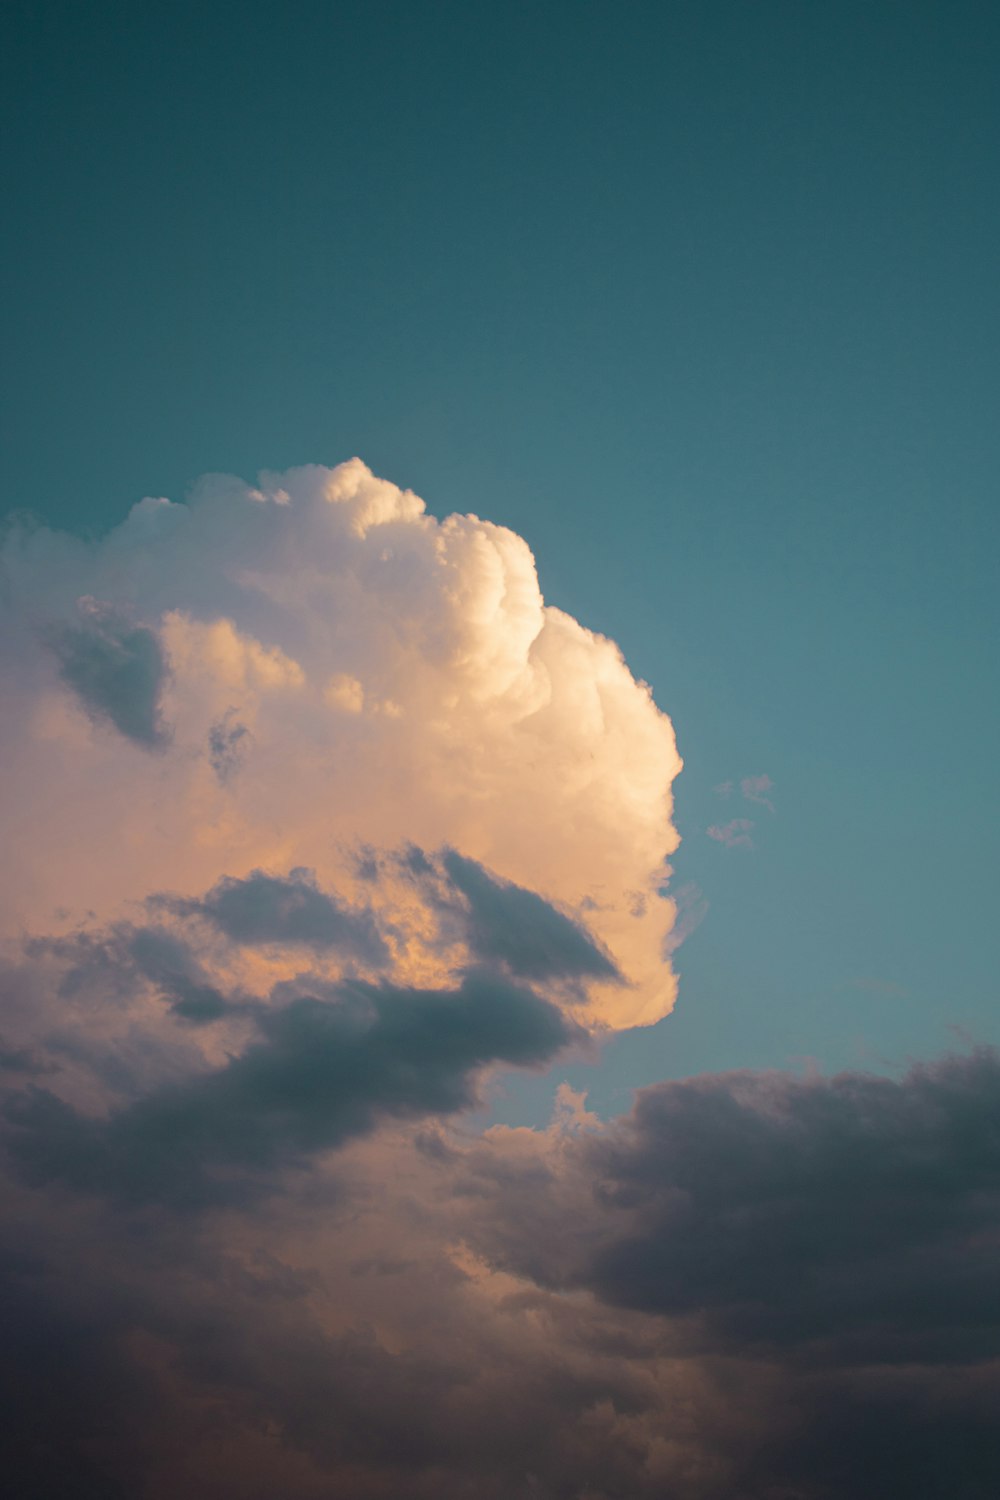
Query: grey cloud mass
{"type": "Point", "coordinates": [117, 962]}
{"type": "Point", "coordinates": [289, 909]}
{"type": "Point", "coordinates": [249, 1247]}
{"type": "Point", "coordinates": [842, 1219]}
{"type": "Point", "coordinates": [324, 1070]}
{"type": "Point", "coordinates": [694, 1302]}
{"type": "Point", "coordinates": [854, 1216]}
{"type": "Point", "coordinates": [510, 925]}
{"type": "Point", "coordinates": [117, 669]}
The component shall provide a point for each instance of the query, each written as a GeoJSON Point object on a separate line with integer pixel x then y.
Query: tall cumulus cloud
{"type": "Point", "coordinates": [315, 815]}
{"type": "Point", "coordinates": [271, 677]}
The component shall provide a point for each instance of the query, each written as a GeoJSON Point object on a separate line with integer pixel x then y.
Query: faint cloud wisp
{"type": "Point", "coordinates": [733, 835]}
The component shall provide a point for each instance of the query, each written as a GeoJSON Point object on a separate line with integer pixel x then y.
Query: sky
{"type": "Point", "coordinates": [497, 996]}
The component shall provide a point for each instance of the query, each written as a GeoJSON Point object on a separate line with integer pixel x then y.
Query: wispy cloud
{"type": "Point", "coordinates": [757, 789]}
{"type": "Point", "coordinates": [885, 987]}
{"type": "Point", "coordinates": [734, 835]}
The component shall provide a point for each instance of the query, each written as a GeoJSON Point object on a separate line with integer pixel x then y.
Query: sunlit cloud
{"type": "Point", "coordinates": [270, 677]}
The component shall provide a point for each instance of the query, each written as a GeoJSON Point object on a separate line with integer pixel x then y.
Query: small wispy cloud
{"type": "Point", "coordinates": [758, 789]}
{"type": "Point", "coordinates": [734, 835]}
{"type": "Point", "coordinates": [724, 789]}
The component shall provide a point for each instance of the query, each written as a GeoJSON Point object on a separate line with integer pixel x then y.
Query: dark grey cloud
{"type": "Point", "coordinates": [184, 1367]}
{"type": "Point", "coordinates": [60, 1376]}
{"type": "Point", "coordinates": [504, 923]}
{"type": "Point", "coordinates": [166, 961]}
{"type": "Point", "coordinates": [854, 1213]}
{"type": "Point", "coordinates": [842, 1219]}
{"type": "Point", "coordinates": [504, 926]}
{"type": "Point", "coordinates": [292, 909]}
{"type": "Point", "coordinates": [117, 669]}
{"type": "Point", "coordinates": [326, 1068]}
{"type": "Point", "coordinates": [117, 962]}
{"type": "Point", "coordinates": [146, 1355]}
{"type": "Point", "coordinates": [916, 1433]}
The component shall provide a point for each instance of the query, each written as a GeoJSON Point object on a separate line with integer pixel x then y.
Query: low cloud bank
{"type": "Point", "coordinates": [840, 1220]}
{"type": "Point", "coordinates": [750, 1286]}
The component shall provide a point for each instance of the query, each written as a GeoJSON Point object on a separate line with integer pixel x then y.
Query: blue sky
{"type": "Point", "coordinates": [701, 300]}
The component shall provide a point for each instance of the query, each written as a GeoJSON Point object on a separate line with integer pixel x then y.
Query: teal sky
{"type": "Point", "coordinates": [699, 298]}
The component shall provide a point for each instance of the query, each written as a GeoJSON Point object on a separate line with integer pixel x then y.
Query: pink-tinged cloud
{"type": "Point", "coordinates": [734, 835]}
{"type": "Point", "coordinates": [273, 677]}
{"type": "Point", "coordinates": [757, 789]}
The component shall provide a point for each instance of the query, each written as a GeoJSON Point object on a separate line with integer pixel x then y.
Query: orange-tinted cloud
{"type": "Point", "coordinates": [271, 677]}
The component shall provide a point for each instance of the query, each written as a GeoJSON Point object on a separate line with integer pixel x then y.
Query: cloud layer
{"type": "Point", "coordinates": [749, 1286]}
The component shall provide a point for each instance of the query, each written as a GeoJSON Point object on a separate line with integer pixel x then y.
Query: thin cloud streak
{"type": "Point", "coordinates": [757, 789]}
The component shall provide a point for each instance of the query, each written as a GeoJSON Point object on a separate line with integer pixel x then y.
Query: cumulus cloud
{"type": "Point", "coordinates": [322, 665]}
{"type": "Point", "coordinates": [833, 1238]}
{"type": "Point", "coordinates": [847, 1218]}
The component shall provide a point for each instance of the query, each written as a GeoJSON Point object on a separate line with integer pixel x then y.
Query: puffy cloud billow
{"type": "Point", "coordinates": [316, 816]}
{"type": "Point", "coordinates": [270, 678]}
